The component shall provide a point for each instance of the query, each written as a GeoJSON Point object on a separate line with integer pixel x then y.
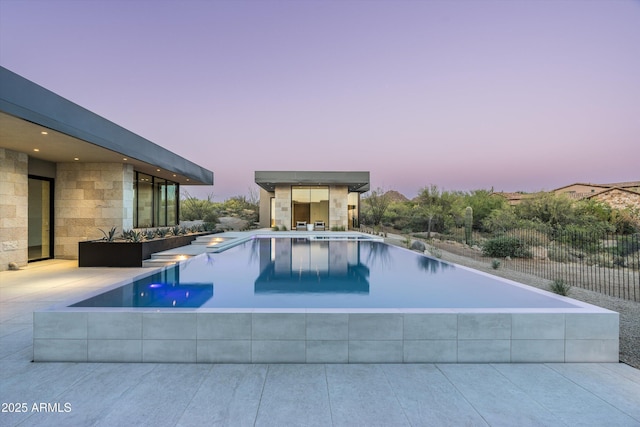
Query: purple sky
{"type": "Point", "coordinates": [519, 95]}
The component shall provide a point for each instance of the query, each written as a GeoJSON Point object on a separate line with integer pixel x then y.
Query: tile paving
{"type": "Point", "coordinates": [160, 394]}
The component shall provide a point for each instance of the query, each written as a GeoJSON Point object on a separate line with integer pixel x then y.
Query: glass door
{"type": "Point", "coordinates": [40, 224]}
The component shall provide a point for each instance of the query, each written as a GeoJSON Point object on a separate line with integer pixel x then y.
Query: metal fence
{"type": "Point", "coordinates": [601, 262]}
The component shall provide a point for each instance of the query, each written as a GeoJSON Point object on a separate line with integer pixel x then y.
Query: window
{"type": "Point", "coordinates": [309, 204]}
{"type": "Point", "coordinates": [155, 202]}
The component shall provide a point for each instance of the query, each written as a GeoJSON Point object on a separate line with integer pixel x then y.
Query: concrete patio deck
{"type": "Point", "coordinates": [235, 395]}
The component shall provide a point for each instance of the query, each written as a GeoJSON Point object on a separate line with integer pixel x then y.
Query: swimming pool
{"type": "Point", "coordinates": [306, 300]}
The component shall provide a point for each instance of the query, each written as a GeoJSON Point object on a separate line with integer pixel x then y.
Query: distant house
{"type": "Point", "coordinates": [288, 198]}
{"type": "Point", "coordinates": [618, 195]}
{"type": "Point", "coordinates": [581, 190]}
{"type": "Point", "coordinates": [512, 198]}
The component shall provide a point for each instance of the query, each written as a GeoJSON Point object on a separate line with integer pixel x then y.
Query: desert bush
{"type": "Point", "coordinates": [505, 246]}
{"type": "Point", "coordinates": [560, 287]}
{"type": "Point", "coordinates": [558, 254]}
{"type": "Point", "coordinates": [495, 264]}
{"type": "Point", "coordinates": [627, 245]}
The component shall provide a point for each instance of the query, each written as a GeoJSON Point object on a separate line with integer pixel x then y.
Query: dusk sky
{"type": "Point", "coordinates": [514, 95]}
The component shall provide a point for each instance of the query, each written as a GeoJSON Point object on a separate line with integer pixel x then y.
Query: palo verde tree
{"type": "Point", "coordinates": [377, 202]}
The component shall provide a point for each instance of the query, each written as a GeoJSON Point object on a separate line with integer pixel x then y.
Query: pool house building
{"type": "Point", "coordinates": [65, 172]}
{"type": "Point", "coordinates": [311, 199]}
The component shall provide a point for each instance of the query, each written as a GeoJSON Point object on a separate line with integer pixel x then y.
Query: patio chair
{"type": "Point", "coordinates": [319, 225]}
{"type": "Point", "coordinates": [301, 225]}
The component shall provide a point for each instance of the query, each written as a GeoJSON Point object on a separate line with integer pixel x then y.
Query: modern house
{"type": "Point", "coordinates": [65, 172]}
{"type": "Point", "coordinates": [291, 197]}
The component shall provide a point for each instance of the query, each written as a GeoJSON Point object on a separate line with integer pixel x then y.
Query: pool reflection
{"type": "Point", "coordinates": [296, 266]}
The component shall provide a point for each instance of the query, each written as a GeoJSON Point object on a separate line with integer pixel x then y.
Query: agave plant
{"type": "Point", "coordinates": [133, 236]}
{"type": "Point", "coordinates": [176, 230]}
{"type": "Point", "coordinates": [110, 235]}
{"type": "Point", "coordinates": [162, 232]}
{"type": "Point", "coordinates": [149, 234]}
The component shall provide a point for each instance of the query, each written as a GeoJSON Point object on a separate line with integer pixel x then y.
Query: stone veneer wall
{"type": "Point", "coordinates": [619, 199]}
{"type": "Point", "coordinates": [89, 196]}
{"type": "Point", "coordinates": [338, 200]}
{"type": "Point", "coordinates": [283, 206]}
{"type": "Point", "coordinates": [14, 214]}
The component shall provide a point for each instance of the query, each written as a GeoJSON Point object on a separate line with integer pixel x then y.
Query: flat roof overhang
{"type": "Point", "coordinates": [355, 181]}
{"type": "Point", "coordinates": [27, 110]}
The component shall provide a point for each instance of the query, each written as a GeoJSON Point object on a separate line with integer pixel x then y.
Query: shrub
{"type": "Point", "coordinates": [627, 245]}
{"type": "Point", "coordinates": [560, 287]}
{"type": "Point", "coordinates": [435, 252]}
{"type": "Point", "coordinates": [558, 254]}
{"type": "Point", "coordinates": [495, 264]}
{"type": "Point", "coordinates": [505, 246]}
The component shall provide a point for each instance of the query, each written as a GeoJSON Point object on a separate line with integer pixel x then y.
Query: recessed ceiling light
{"type": "Point", "coordinates": [174, 174]}
{"type": "Point", "coordinates": [157, 170]}
{"type": "Point", "coordinates": [75, 158]}
{"type": "Point", "coordinates": [44, 133]}
{"type": "Point", "coordinates": [125, 159]}
{"type": "Point", "coordinates": [36, 149]}
{"type": "Point", "coordinates": [187, 179]}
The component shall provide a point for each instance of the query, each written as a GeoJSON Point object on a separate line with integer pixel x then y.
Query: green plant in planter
{"type": "Point", "coordinates": [162, 232]}
{"type": "Point", "coordinates": [149, 234]}
{"type": "Point", "coordinates": [176, 230]}
{"type": "Point", "coordinates": [133, 236]}
{"type": "Point", "coordinates": [110, 235]}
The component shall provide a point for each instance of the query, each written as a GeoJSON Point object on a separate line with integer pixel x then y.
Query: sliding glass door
{"type": "Point", "coordinates": [40, 222]}
{"type": "Point", "coordinates": [309, 204]}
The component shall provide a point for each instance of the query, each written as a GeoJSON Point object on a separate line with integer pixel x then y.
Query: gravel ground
{"type": "Point", "coordinates": [629, 310]}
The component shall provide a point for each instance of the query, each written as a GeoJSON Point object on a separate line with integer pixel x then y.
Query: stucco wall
{"type": "Point", "coordinates": [89, 196]}
{"type": "Point", "coordinates": [13, 208]}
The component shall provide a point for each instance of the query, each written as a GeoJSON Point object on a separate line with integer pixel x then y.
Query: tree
{"type": "Point", "coordinates": [378, 202]}
{"type": "Point", "coordinates": [553, 209]}
{"type": "Point", "coordinates": [192, 208]}
{"type": "Point", "coordinates": [483, 203]}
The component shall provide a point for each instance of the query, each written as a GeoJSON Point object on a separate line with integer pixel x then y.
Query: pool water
{"type": "Point", "coordinates": [303, 273]}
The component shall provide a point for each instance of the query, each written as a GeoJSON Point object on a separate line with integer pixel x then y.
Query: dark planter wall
{"type": "Point", "coordinates": [99, 253]}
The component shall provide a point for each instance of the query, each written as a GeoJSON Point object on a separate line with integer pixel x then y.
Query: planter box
{"type": "Point", "coordinates": [98, 253]}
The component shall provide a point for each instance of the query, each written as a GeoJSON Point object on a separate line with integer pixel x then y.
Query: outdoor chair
{"type": "Point", "coordinates": [319, 225]}
{"type": "Point", "coordinates": [301, 225]}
